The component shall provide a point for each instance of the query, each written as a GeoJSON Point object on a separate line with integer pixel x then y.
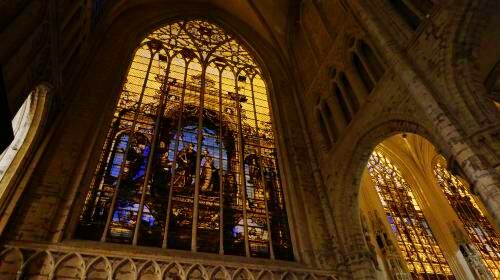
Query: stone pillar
{"type": "Point", "coordinates": [485, 180]}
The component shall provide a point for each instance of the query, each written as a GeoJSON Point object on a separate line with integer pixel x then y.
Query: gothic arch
{"type": "Point", "coordinates": [243, 274]}
{"type": "Point", "coordinates": [38, 266]}
{"type": "Point", "coordinates": [99, 268]}
{"type": "Point", "coordinates": [136, 29]}
{"type": "Point", "coordinates": [172, 270]}
{"type": "Point", "coordinates": [11, 261]}
{"type": "Point", "coordinates": [69, 266]}
{"type": "Point", "coordinates": [197, 271]}
{"type": "Point", "coordinates": [345, 199]}
{"type": "Point", "coordinates": [265, 275]}
{"type": "Point", "coordinates": [149, 270]}
{"type": "Point", "coordinates": [220, 272]}
{"type": "Point", "coordinates": [125, 270]}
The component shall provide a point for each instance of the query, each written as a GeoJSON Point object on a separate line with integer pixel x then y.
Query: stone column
{"type": "Point", "coordinates": [485, 180]}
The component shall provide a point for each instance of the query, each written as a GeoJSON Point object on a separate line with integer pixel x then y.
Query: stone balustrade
{"type": "Point", "coordinates": [88, 260]}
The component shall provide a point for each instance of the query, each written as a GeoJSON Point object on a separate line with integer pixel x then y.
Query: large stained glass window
{"type": "Point", "coordinates": [480, 231]}
{"type": "Point", "coordinates": [190, 161]}
{"type": "Point", "coordinates": [424, 258]}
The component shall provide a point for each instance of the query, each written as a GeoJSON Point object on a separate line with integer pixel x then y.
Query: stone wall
{"type": "Point", "coordinates": [431, 85]}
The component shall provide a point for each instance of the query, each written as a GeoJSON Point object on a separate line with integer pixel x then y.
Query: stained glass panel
{"type": "Point", "coordinates": [480, 231]}
{"type": "Point", "coordinates": [189, 161]}
{"type": "Point", "coordinates": [416, 241]}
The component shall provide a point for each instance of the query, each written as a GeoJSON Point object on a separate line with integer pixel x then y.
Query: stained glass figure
{"type": "Point", "coordinates": [481, 232]}
{"type": "Point", "coordinates": [423, 256]}
{"type": "Point", "coordinates": [190, 161]}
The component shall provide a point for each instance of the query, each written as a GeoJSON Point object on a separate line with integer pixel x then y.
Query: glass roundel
{"type": "Point", "coordinates": [190, 161]}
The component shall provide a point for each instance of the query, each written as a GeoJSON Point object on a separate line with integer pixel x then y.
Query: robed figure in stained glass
{"type": "Point", "coordinates": [186, 168]}
{"type": "Point", "coordinates": [209, 178]}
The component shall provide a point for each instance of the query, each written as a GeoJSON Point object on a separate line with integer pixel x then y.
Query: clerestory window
{"type": "Point", "coordinates": [190, 161]}
{"type": "Point", "coordinates": [481, 232]}
{"type": "Point", "coordinates": [420, 249]}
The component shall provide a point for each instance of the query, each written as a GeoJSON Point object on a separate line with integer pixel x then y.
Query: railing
{"type": "Point", "coordinates": [95, 260]}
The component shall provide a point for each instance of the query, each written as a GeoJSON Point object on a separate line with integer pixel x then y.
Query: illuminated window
{"type": "Point", "coordinates": [480, 231]}
{"type": "Point", "coordinates": [190, 161]}
{"type": "Point", "coordinates": [420, 249]}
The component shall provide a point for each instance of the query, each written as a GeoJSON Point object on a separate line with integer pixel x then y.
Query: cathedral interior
{"type": "Point", "coordinates": [249, 139]}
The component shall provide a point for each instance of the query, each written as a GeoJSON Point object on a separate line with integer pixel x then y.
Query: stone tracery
{"type": "Point", "coordinates": [190, 152]}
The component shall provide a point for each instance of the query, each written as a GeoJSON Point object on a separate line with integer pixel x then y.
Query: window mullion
{"type": "Point", "coordinates": [221, 170]}
{"type": "Point", "coordinates": [242, 166]}
{"type": "Point", "coordinates": [194, 229]}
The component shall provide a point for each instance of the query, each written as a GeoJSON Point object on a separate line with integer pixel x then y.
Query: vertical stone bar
{"type": "Point", "coordinates": [194, 229]}
{"type": "Point", "coordinates": [221, 170]}
{"type": "Point", "coordinates": [242, 166]}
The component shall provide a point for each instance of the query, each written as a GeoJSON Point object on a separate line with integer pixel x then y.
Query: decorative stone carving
{"type": "Point", "coordinates": [65, 263]}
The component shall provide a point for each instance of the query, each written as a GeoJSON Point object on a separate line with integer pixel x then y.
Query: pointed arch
{"type": "Point", "coordinates": [288, 276]}
{"type": "Point", "coordinates": [243, 274]}
{"type": "Point", "coordinates": [70, 266]}
{"type": "Point", "coordinates": [194, 98]}
{"type": "Point", "coordinates": [149, 270]}
{"type": "Point", "coordinates": [220, 273]}
{"type": "Point", "coordinates": [265, 275]}
{"type": "Point", "coordinates": [125, 270]}
{"type": "Point", "coordinates": [99, 269]}
{"type": "Point", "coordinates": [11, 261]}
{"type": "Point", "coordinates": [197, 272]}
{"type": "Point", "coordinates": [38, 266]}
{"type": "Point", "coordinates": [173, 271]}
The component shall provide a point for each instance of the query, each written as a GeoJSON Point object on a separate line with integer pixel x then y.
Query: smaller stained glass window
{"type": "Point", "coordinates": [423, 256]}
{"type": "Point", "coordinates": [479, 229]}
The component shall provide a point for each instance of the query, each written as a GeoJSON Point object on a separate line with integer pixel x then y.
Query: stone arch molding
{"type": "Point", "coordinates": [34, 263]}
{"type": "Point", "coordinates": [345, 199]}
